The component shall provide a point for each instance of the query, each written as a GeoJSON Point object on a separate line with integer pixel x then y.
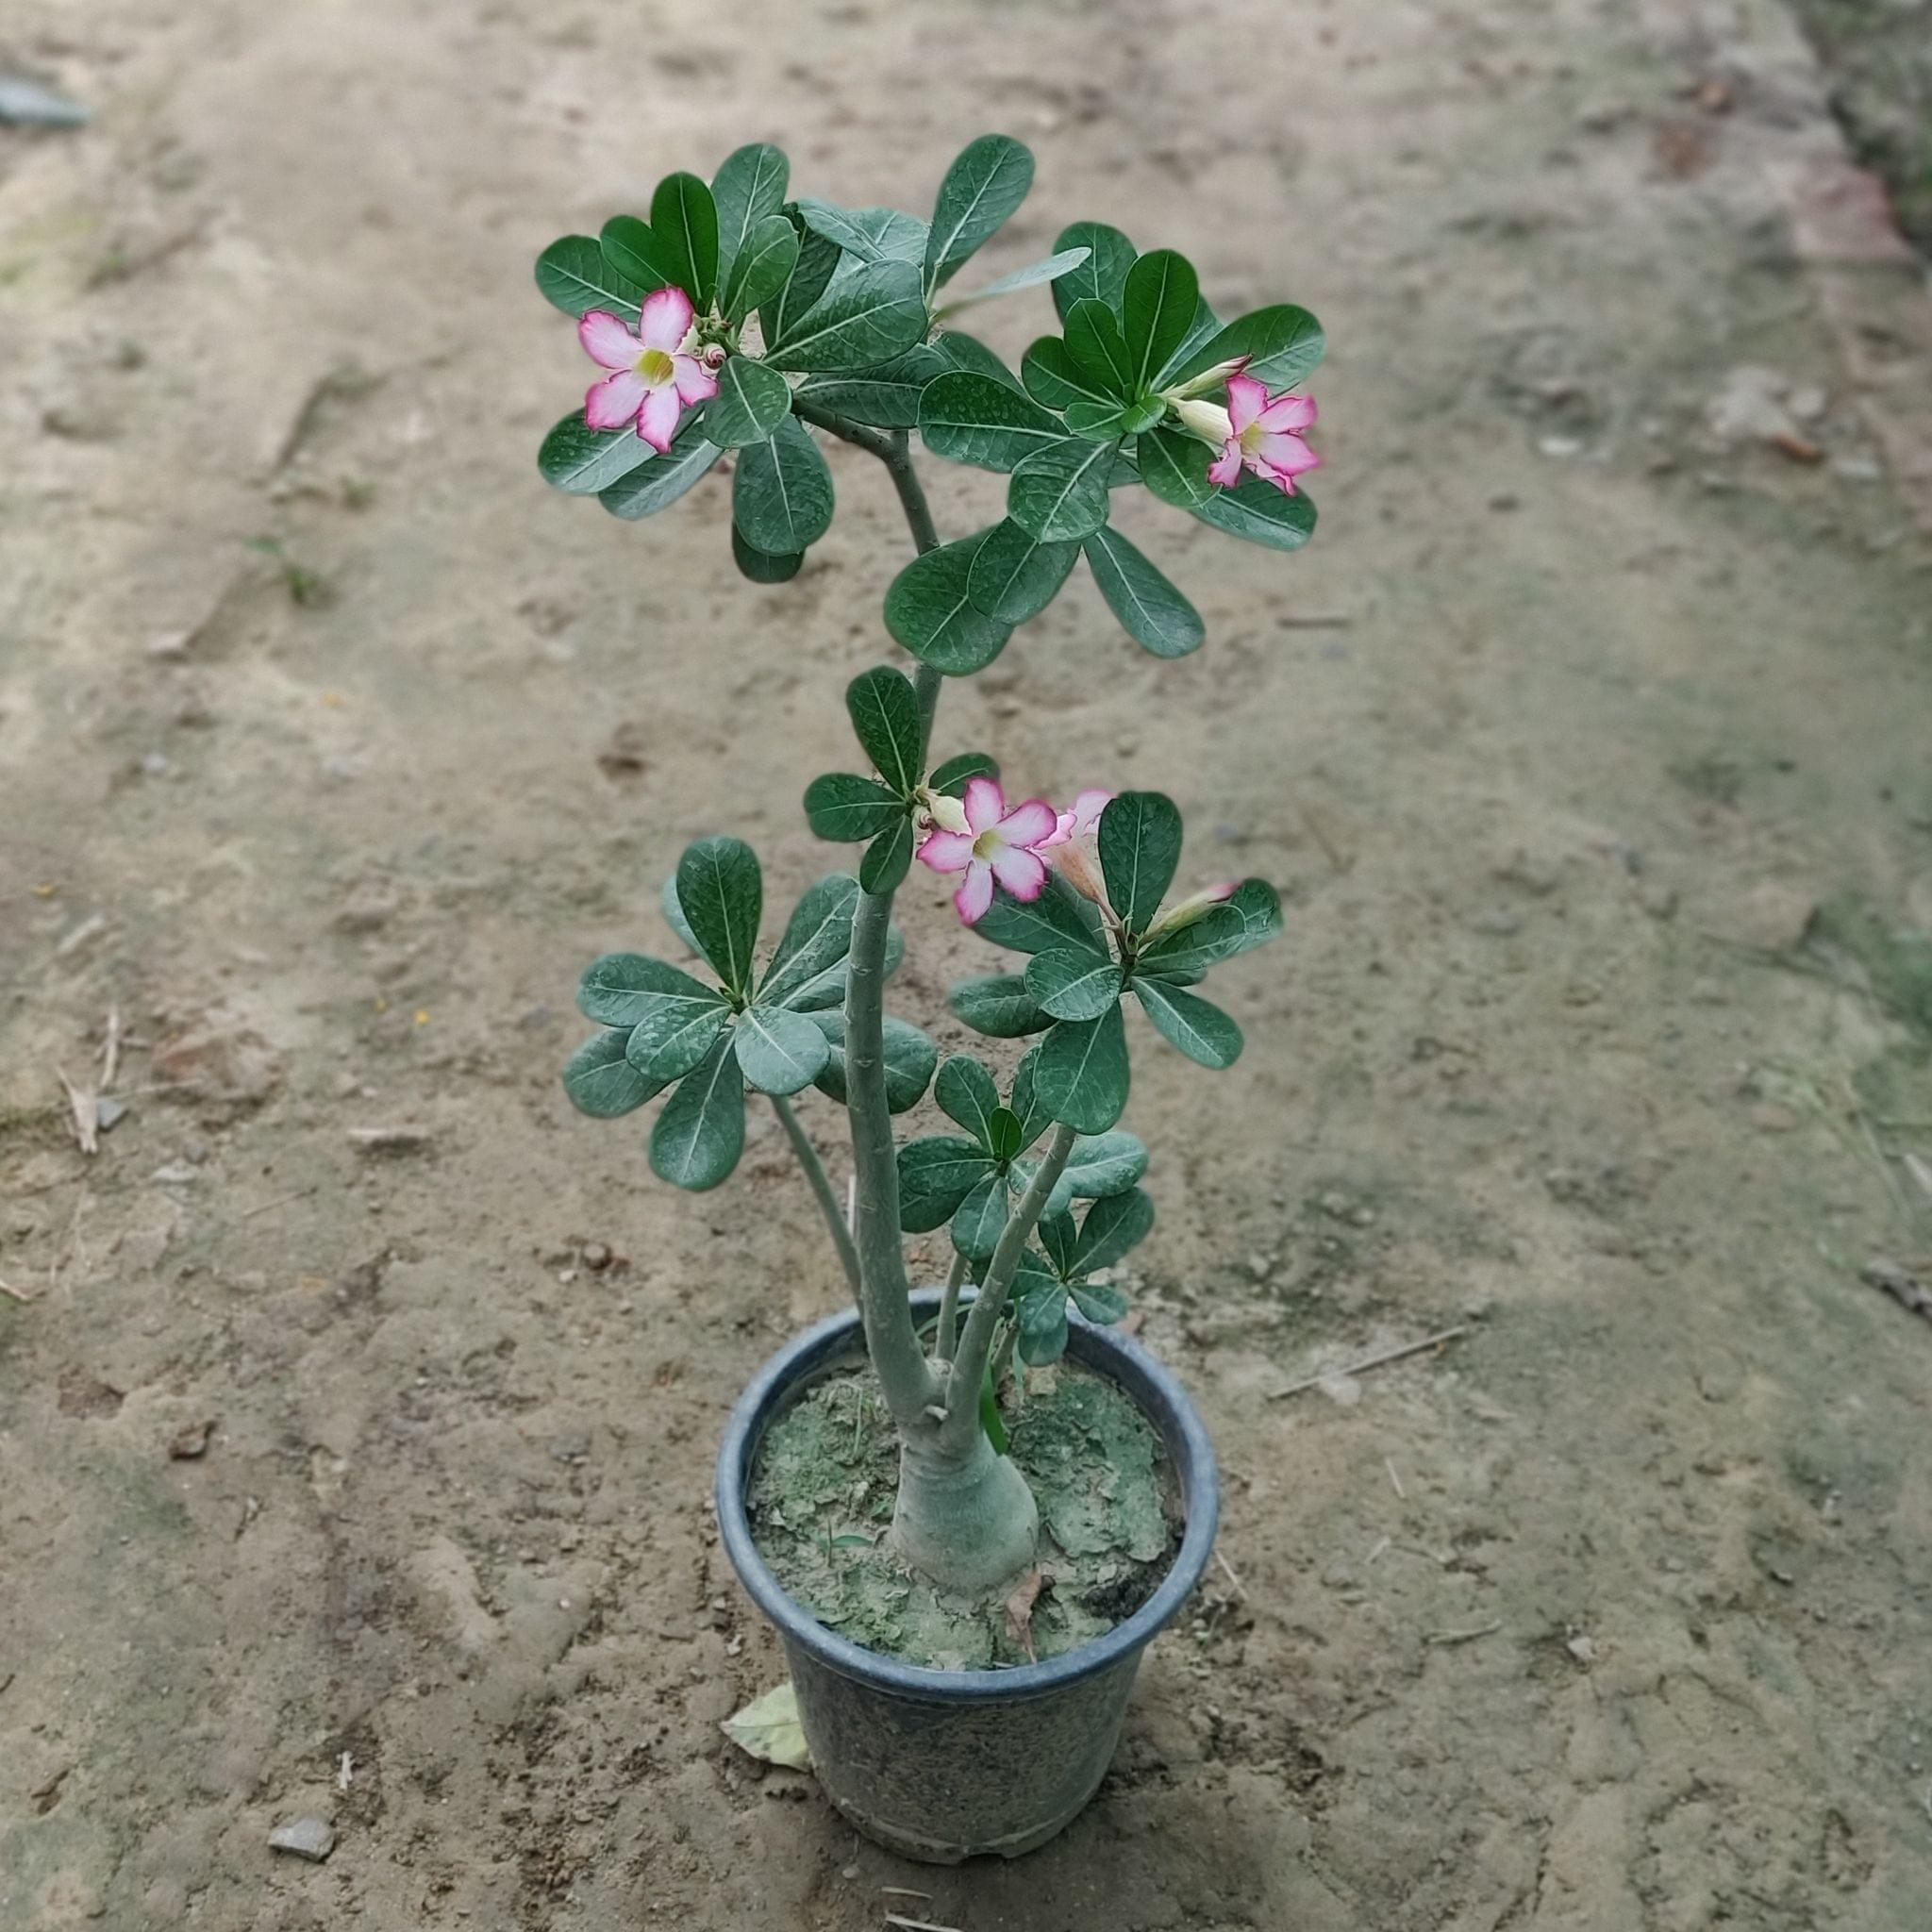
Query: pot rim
{"type": "Point", "coordinates": [1144, 1378]}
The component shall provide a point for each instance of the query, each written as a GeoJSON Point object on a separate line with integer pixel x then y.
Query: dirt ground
{"type": "Point", "coordinates": [1588, 742]}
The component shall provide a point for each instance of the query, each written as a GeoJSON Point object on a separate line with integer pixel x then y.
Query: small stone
{"type": "Point", "coordinates": [170, 643]}
{"type": "Point", "coordinates": [1582, 1649]}
{"type": "Point", "coordinates": [1498, 922]}
{"type": "Point", "coordinates": [1261, 1267]}
{"type": "Point", "coordinates": [389, 1141]}
{"type": "Point", "coordinates": [1855, 469]}
{"type": "Point", "coordinates": [312, 1839]}
{"type": "Point", "coordinates": [190, 1443]}
{"type": "Point", "coordinates": [1560, 446]}
{"type": "Point", "coordinates": [109, 1112]}
{"type": "Point", "coordinates": [597, 1257]}
{"type": "Point", "coordinates": [572, 1449]}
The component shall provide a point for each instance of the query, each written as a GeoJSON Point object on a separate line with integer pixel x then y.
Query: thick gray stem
{"type": "Point", "coordinates": [966, 1519]}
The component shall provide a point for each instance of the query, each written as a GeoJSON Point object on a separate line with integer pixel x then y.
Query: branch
{"type": "Point", "coordinates": [821, 1187]}
{"type": "Point", "coordinates": [945, 1333]}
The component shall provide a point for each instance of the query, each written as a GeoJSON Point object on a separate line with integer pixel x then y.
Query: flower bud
{"type": "Point", "coordinates": [1209, 421]}
{"type": "Point", "coordinates": [1078, 870]}
{"type": "Point", "coordinates": [946, 812]}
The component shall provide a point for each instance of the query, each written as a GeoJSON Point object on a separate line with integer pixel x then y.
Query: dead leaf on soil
{"type": "Point", "coordinates": [768, 1728]}
{"type": "Point", "coordinates": [1020, 1612]}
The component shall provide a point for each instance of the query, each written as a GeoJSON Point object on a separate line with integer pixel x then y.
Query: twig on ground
{"type": "Point", "coordinates": [19, 1294]}
{"type": "Point", "coordinates": [1462, 1636]}
{"type": "Point", "coordinates": [903, 1892]}
{"type": "Point", "coordinates": [917, 1925]}
{"type": "Point", "coordinates": [1394, 1480]}
{"type": "Point", "coordinates": [83, 1108]}
{"type": "Point", "coordinates": [1381, 1549]}
{"type": "Point", "coordinates": [110, 1049]}
{"type": "Point", "coordinates": [1368, 1362]}
{"type": "Point", "coordinates": [1241, 1588]}
{"type": "Point", "coordinates": [281, 1201]}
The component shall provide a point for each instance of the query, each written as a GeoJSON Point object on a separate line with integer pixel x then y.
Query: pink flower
{"type": "Point", "coordinates": [1073, 843]}
{"type": "Point", "coordinates": [1259, 436]}
{"type": "Point", "coordinates": [1084, 820]}
{"type": "Point", "coordinates": [997, 844]}
{"type": "Point", "coordinates": [657, 373]}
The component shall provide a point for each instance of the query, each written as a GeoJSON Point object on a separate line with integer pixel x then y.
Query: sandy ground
{"type": "Point", "coordinates": [1613, 1616]}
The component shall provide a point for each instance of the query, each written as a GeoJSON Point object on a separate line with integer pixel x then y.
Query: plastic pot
{"type": "Point", "coordinates": [943, 1765]}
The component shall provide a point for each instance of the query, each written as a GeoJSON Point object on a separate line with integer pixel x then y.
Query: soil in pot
{"type": "Point", "coordinates": [820, 1501]}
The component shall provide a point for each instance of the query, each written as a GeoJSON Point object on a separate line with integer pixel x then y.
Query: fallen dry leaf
{"type": "Point", "coordinates": [1020, 1612]}
{"type": "Point", "coordinates": [768, 1728]}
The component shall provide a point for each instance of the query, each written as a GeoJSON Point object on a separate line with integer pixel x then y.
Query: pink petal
{"type": "Point", "coordinates": [657, 419]}
{"type": "Point", "coordinates": [1022, 873]}
{"type": "Point", "coordinates": [1246, 399]}
{"type": "Point", "coordinates": [1287, 411]}
{"type": "Point", "coordinates": [1225, 472]}
{"type": "Point", "coordinates": [1087, 806]}
{"type": "Point", "coordinates": [612, 402]}
{"type": "Point", "coordinates": [1063, 831]}
{"type": "Point", "coordinates": [1289, 453]}
{"type": "Point", "coordinates": [607, 339]}
{"type": "Point", "coordinates": [1031, 824]}
{"type": "Point", "coordinates": [666, 319]}
{"type": "Point", "coordinates": [947, 851]}
{"type": "Point", "coordinates": [975, 895]}
{"type": "Point", "coordinates": [695, 383]}
{"type": "Point", "coordinates": [985, 802]}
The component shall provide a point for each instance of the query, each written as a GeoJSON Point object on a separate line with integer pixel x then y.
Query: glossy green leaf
{"type": "Point", "coordinates": [884, 711]}
{"type": "Point", "coordinates": [721, 893]}
{"type": "Point", "coordinates": [1157, 309]}
{"type": "Point", "coordinates": [997, 1005]}
{"type": "Point", "coordinates": [1072, 985]}
{"type": "Point", "coordinates": [1139, 847]}
{"type": "Point", "coordinates": [761, 268]}
{"type": "Point", "coordinates": [620, 988]}
{"type": "Point", "coordinates": [1283, 345]}
{"type": "Point", "coordinates": [887, 397]}
{"type": "Point", "coordinates": [581, 461]}
{"type": "Point", "coordinates": [779, 1051]}
{"type": "Point", "coordinates": [811, 274]}
{"type": "Point", "coordinates": [966, 1095]}
{"type": "Point", "coordinates": [759, 566]}
{"type": "Point", "coordinates": [1027, 1106]}
{"type": "Point", "coordinates": [684, 236]}
{"type": "Point", "coordinates": [1197, 1027]}
{"type": "Point", "coordinates": [1204, 328]}
{"type": "Point", "coordinates": [673, 915]}
{"type": "Point", "coordinates": [967, 355]}
{"type": "Point", "coordinates": [1261, 513]}
{"type": "Point", "coordinates": [1111, 1228]}
{"type": "Point", "coordinates": [1100, 1164]}
{"type": "Point", "coordinates": [1188, 950]}
{"type": "Point", "coordinates": [1057, 1237]}
{"type": "Point", "coordinates": [1049, 269]}
{"type": "Point", "coordinates": [1060, 917]}
{"type": "Point", "coordinates": [781, 492]}
{"type": "Point", "coordinates": [887, 858]}
{"type": "Point", "coordinates": [980, 1218]}
{"type": "Point", "coordinates": [1260, 906]}
{"type": "Point", "coordinates": [827, 986]}
{"type": "Point", "coordinates": [700, 1134]}
{"type": "Point", "coordinates": [1098, 1302]}
{"type": "Point", "coordinates": [872, 234]}
{"type": "Point", "coordinates": [859, 321]}
{"type": "Point", "coordinates": [1055, 380]}
{"type": "Point", "coordinates": [951, 777]}
{"type": "Point", "coordinates": [843, 807]}
{"type": "Point", "coordinates": [572, 276]}
{"type": "Point", "coordinates": [1040, 1321]}
{"type": "Point", "coordinates": [1103, 276]}
{"type": "Point", "coordinates": [971, 418]}
{"type": "Point", "coordinates": [935, 1175]}
{"type": "Point", "coordinates": [602, 1082]}
{"type": "Point", "coordinates": [1005, 1136]}
{"type": "Point", "coordinates": [747, 189]}
{"type": "Point", "coordinates": [1151, 610]}
{"type": "Point", "coordinates": [983, 187]}
{"type": "Point", "coordinates": [1099, 349]}
{"type": "Point", "coordinates": [659, 483]}
{"type": "Point", "coordinates": [676, 1030]}
{"type": "Point", "coordinates": [1061, 494]}
{"type": "Point", "coordinates": [1015, 576]}
{"type": "Point", "coordinates": [751, 402]}
{"type": "Point", "coordinates": [1101, 421]}
{"type": "Point", "coordinates": [929, 610]}
{"type": "Point", "coordinates": [1174, 466]}
{"type": "Point", "coordinates": [1083, 1074]}
{"type": "Point", "coordinates": [631, 251]}
{"type": "Point", "coordinates": [909, 1055]}
{"type": "Point", "coordinates": [816, 937]}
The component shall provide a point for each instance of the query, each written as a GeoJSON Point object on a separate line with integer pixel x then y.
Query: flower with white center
{"type": "Point", "coordinates": [656, 374]}
{"type": "Point", "coordinates": [998, 844]}
{"type": "Point", "coordinates": [1256, 431]}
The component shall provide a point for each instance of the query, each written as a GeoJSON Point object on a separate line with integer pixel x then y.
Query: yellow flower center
{"type": "Point", "coordinates": [1251, 438]}
{"type": "Point", "coordinates": [989, 842]}
{"type": "Point", "coordinates": [654, 365]}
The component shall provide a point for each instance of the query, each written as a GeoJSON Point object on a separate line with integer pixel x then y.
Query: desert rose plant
{"type": "Point", "coordinates": [738, 322]}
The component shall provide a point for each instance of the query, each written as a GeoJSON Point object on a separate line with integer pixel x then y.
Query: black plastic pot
{"type": "Point", "coordinates": [943, 1765]}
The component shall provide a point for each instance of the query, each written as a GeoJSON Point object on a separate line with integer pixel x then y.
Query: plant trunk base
{"type": "Point", "coordinates": [968, 1522]}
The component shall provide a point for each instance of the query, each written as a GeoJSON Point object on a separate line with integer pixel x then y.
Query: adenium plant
{"type": "Point", "coordinates": [740, 319]}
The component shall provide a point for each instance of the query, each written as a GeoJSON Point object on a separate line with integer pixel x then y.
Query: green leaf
{"type": "Point", "coordinates": [827, 986]}
{"type": "Point", "coordinates": [1263, 514]}
{"type": "Point", "coordinates": [1173, 465]}
{"type": "Point", "coordinates": [1197, 1027]}
{"type": "Point", "coordinates": [1103, 276]}
{"type": "Point", "coordinates": [779, 1051]}
{"type": "Point", "coordinates": [747, 189]}
{"type": "Point", "coordinates": [684, 236]}
{"type": "Point", "coordinates": [620, 988]}
{"type": "Point", "coordinates": [980, 1218]}
{"type": "Point", "coordinates": [1101, 421]}
{"type": "Point", "coordinates": [676, 1033]}
{"type": "Point", "coordinates": [1099, 349]}
{"type": "Point", "coordinates": [990, 1418]}
{"type": "Point", "coordinates": [659, 483]}
{"type": "Point", "coordinates": [721, 893]}
{"type": "Point", "coordinates": [630, 250]}
{"type": "Point", "coordinates": [1054, 380]}
{"type": "Point", "coordinates": [1072, 985]}
{"type": "Point", "coordinates": [966, 1095]}
{"type": "Point", "coordinates": [929, 610]}
{"type": "Point", "coordinates": [1157, 309]}
{"type": "Point", "coordinates": [700, 1134]}
{"type": "Point", "coordinates": [572, 276]}
{"type": "Point", "coordinates": [818, 937]}
{"type": "Point", "coordinates": [1057, 1235]}
{"type": "Point", "coordinates": [1188, 950]}
{"type": "Point", "coordinates": [1112, 1227]}
{"type": "Point", "coordinates": [1082, 1076]}
{"type": "Point", "coordinates": [872, 234]}
{"type": "Point", "coordinates": [811, 274]}
{"type": "Point", "coordinates": [1061, 494]}
{"type": "Point", "coordinates": [997, 1005]}
{"type": "Point", "coordinates": [1260, 905]}
{"type": "Point", "coordinates": [909, 1055]}
{"type": "Point", "coordinates": [935, 1175]}
{"type": "Point", "coordinates": [951, 777]}
{"type": "Point", "coordinates": [602, 1082]}
{"type": "Point", "coordinates": [859, 321]}
{"type": "Point", "coordinates": [1283, 345]}
{"type": "Point", "coordinates": [1014, 576]}
{"type": "Point", "coordinates": [673, 915]}
{"type": "Point", "coordinates": [761, 268]}
{"type": "Point", "coordinates": [971, 418]}
{"type": "Point", "coordinates": [1205, 326]}
{"type": "Point", "coordinates": [580, 460]}
{"type": "Point", "coordinates": [1102, 1165]}
{"type": "Point", "coordinates": [843, 807]}
{"type": "Point", "coordinates": [1098, 1302]}
{"type": "Point", "coordinates": [886, 397]}
{"type": "Point", "coordinates": [1027, 1108]}
{"type": "Point", "coordinates": [781, 493]}
{"type": "Point", "coordinates": [1005, 1134]}
{"type": "Point", "coordinates": [967, 355]}
{"type": "Point", "coordinates": [759, 566]}
{"type": "Point", "coordinates": [1152, 611]}
{"type": "Point", "coordinates": [884, 711]}
{"type": "Point", "coordinates": [887, 858]}
{"type": "Point", "coordinates": [1040, 1322]}
{"type": "Point", "coordinates": [1049, 269]}
{"type": "Point", "coordinates": [985, 184]}
{"type": "Point", "coordinates": [1140, 848]}
{"type": "Point", "coordinates": [751, 402]}
{"type": "Point", "coordinates": [1060, 917]}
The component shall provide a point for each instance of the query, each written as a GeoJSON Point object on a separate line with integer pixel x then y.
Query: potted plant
{"type": "Point", "coordinates": [915, 1517]}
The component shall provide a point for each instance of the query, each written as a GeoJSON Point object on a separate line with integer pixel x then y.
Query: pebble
{"type": "Point", "coordinates": [1499, 922]}
{"type": "Point", "coordinates": [312, 1839]}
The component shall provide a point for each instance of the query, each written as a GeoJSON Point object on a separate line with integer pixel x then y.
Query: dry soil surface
{"type": "Point", "coordinates": [1588, 743]}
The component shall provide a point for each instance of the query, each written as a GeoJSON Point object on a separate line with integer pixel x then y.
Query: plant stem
{"type": "Point", "coordinates": [821, 1187]}
{"type": "Point", "coordinates": [943, 1335]}
{"type": "Point", "coordinates": [969, 1363]}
